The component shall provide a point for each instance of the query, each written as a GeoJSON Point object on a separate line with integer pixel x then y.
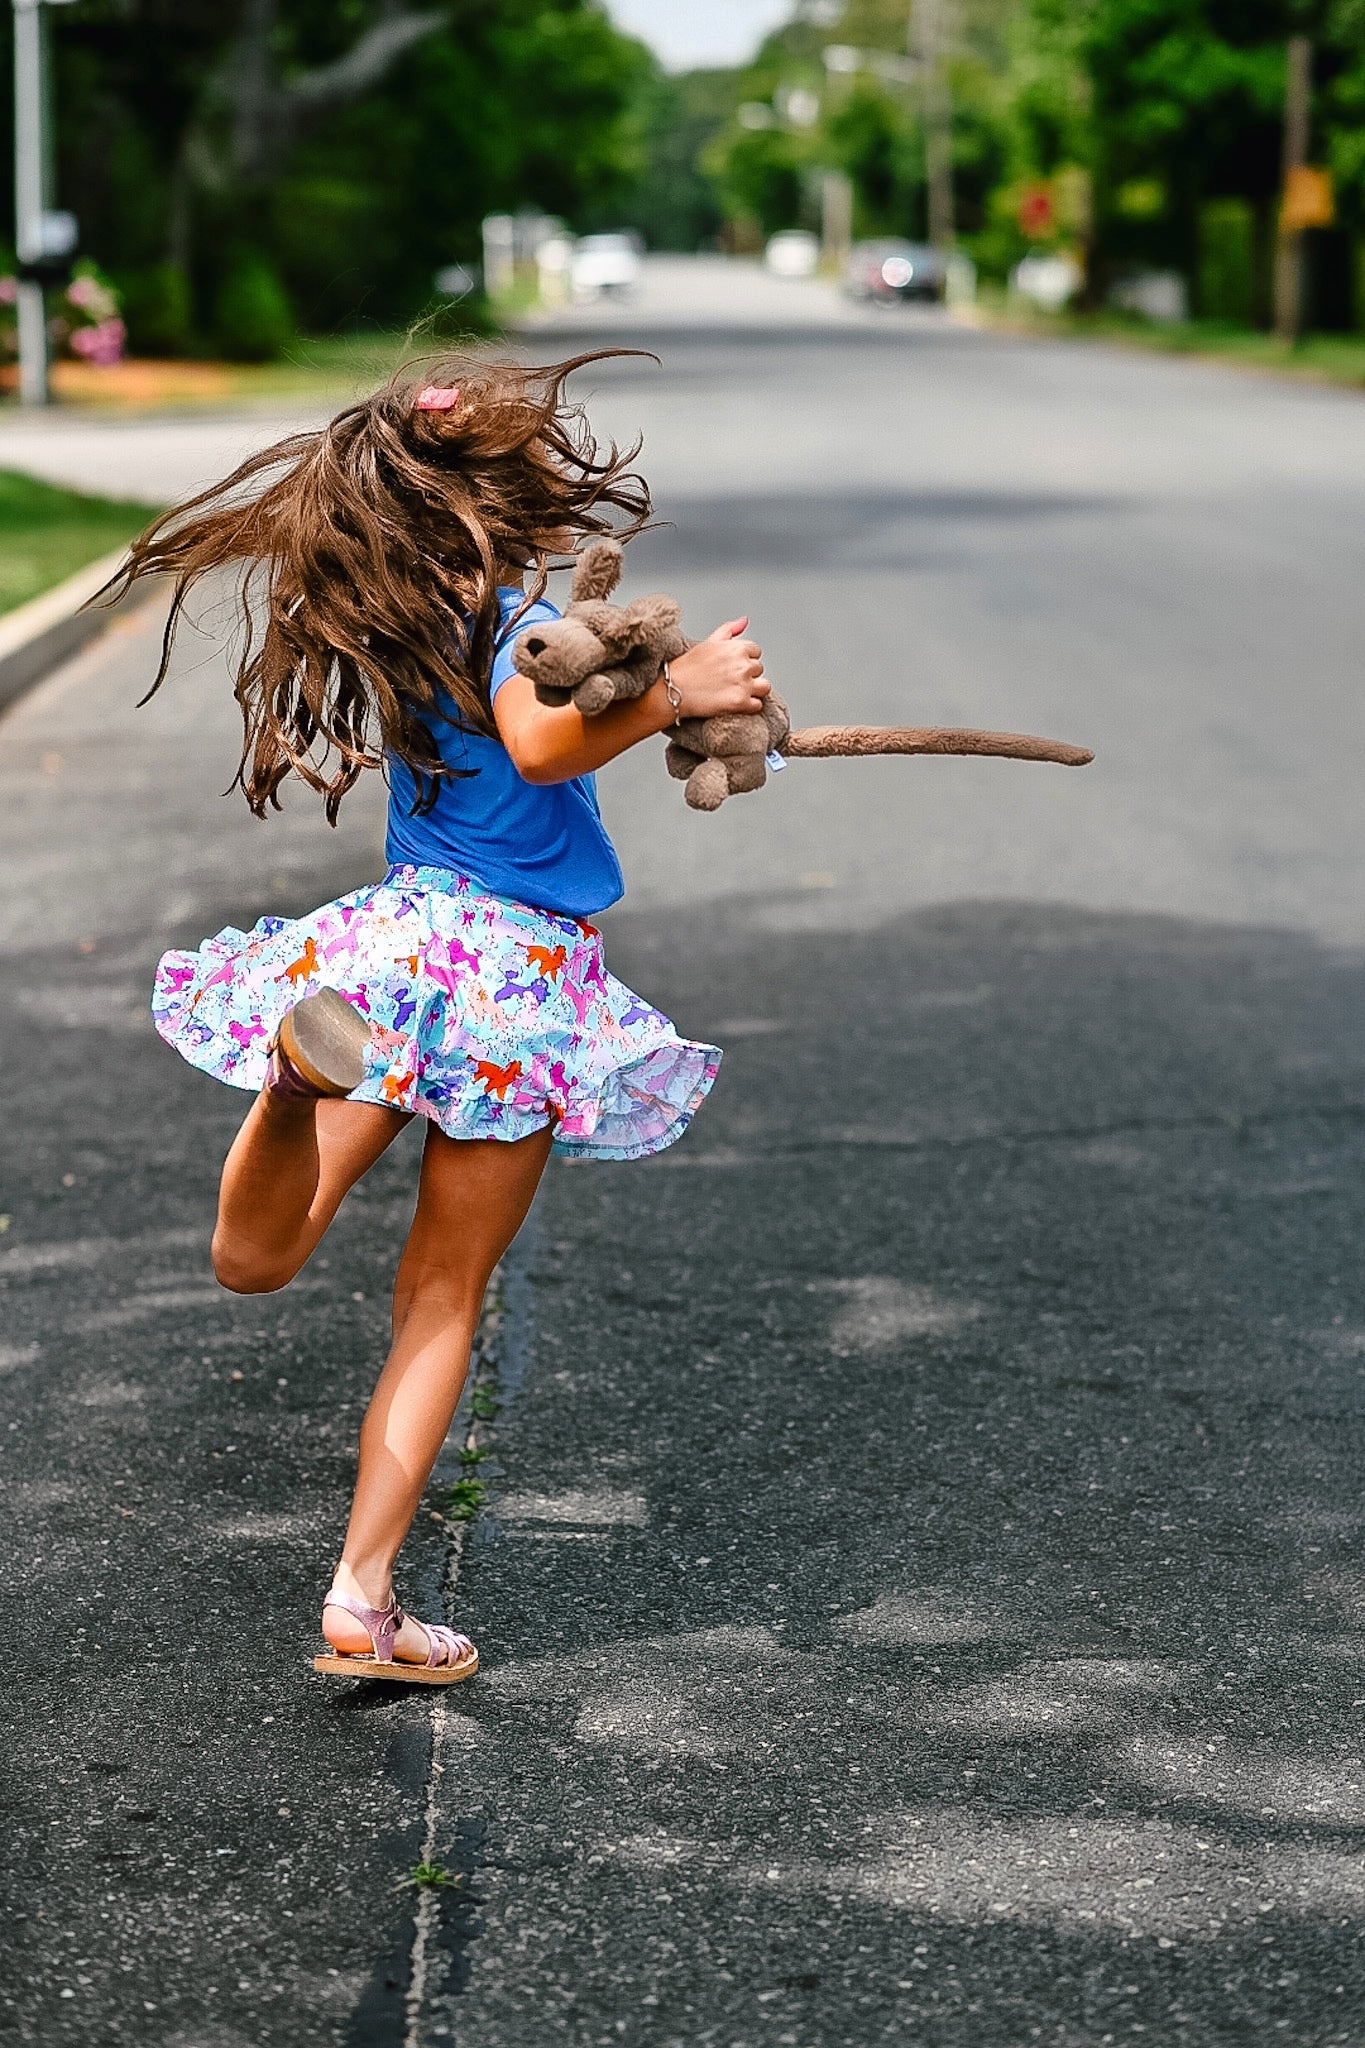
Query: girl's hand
{"type": "Point", "coordinates": [720, 674]}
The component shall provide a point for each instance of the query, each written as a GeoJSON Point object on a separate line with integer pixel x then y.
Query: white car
{"type": "Point", "coordinates": [606, 264]}
{"type": "Point", "coordinates": [792, 253]}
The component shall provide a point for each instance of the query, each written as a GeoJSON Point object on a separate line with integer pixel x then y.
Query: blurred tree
{"type": "Point", "coordinates": [336, 152]}
{"type": "Point", "coordinates": [1174, 108]}
{"type": "Point", "coordinates": [675, 205]}
{"type": "Point", "coordinates": [1140, 133]}
{"type": "Point", "coordinates": [868, 118]}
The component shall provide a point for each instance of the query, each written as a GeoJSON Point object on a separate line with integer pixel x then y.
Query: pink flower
{"type": "Point", "coordinates": [102, 344]}
{"type": "Point", "coordinates": [92, 298]}
{"type": "Point", "coordinates": [9, 290]}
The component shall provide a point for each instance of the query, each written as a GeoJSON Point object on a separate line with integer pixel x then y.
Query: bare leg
{"type": "Point", "coordinates": [473, 1199]}
{"type": "Point", "coordinates": [285, 1177]}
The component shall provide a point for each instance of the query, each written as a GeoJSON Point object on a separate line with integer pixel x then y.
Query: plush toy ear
{"type": "Point", "coordinates": [656, 622]}
{"type": "Point", "coordinates": [598, 571]}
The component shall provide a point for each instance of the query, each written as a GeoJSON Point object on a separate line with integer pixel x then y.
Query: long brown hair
{"type": "Point", "coordinates": [368, 556]}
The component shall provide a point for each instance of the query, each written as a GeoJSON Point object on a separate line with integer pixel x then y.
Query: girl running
{"type": "Point", "coordinates": [385, 565]}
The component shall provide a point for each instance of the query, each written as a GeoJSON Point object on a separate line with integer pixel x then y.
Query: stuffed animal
{"type": "Point", "coordinates": [600, 653]}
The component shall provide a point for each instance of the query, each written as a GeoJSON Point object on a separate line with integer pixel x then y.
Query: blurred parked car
{"type": "Point", "coordinates": [1048, 282]}
{"type": "Point", "coordinates": [604, 264]}
{"type": "Point", "coordinates": [885, 271]}
{"type": "Point", "coordinates": [792, 253]}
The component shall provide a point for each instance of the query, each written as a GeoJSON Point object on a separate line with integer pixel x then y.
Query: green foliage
{"type": "Point", "coordinates": [758, 177]}
{"type": "Point", "coordinates": [464, 1499]}
{"type": "Point", "coordinates": [674, 204]}
{"type": "Point", "coordinates": [1227, 260]}
{"type": "Point", "coordinates": [350, 207]}
{"type": "Point", "coordinates": [431, 1877]}
{"type": "Point", "coordinates": [1170, 109]}
{"type": "Point", "coordinates": [159, 309]}
{"type": "Point", "coordinates": [252, 318]}
{"type": "Point", "coordinates": [879, 144]}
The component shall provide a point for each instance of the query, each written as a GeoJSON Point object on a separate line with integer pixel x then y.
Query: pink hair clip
{"type": "Point", "coordinates": [437, 398]}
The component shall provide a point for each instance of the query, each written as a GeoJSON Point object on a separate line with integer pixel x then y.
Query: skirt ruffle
{"type": "Point", "coordinates": [486, 1015]}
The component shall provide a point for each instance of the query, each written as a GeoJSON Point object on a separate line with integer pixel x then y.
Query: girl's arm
{"type": "Point", "coordinates": [553, 744]}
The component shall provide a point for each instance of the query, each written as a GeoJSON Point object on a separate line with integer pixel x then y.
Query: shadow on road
{"type": "Point", "coordinates": [923, 1595]}
{"type": "Point", "coordinates": [879, 530]}
{"type": "Point", "coordinates": [924, 1600]}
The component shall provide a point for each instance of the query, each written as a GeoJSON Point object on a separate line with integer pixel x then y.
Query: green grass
{"type": "Point", "coordinates": [332, 366]}
{"type": "Point", "coordinates": [47, 533]}
{"type": "Point", "coordinates": [1321, 358]}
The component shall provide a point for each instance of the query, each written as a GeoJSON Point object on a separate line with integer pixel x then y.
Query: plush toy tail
{"type": "Point", "coordinates": [819, 742]}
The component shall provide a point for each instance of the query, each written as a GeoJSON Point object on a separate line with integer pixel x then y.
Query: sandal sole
{"type": "Point", "coordinates": [399, 1674]}
{"type": "Point", "coordinates": [325, 1040]}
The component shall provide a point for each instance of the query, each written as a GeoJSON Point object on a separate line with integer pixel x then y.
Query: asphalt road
{"type": "Point", "coordinates": [921, 1593]}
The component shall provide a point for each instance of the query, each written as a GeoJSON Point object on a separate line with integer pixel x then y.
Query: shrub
{"type": "Point", "coordinates": [252, 318]}
{"type": "Point", "coordinates": [159, 311]}
{"type": "Point", "coordinates": [1227, 261]}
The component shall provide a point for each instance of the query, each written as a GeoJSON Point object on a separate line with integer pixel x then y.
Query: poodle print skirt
{"type": "Point", "coordinates": [489, 1017]}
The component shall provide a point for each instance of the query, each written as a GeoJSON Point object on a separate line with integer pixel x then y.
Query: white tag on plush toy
{"type": "Point", "coordinates": [776, 761]}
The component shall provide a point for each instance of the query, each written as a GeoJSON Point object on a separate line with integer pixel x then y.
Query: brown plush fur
{"type": "Point", "coordinates": [600, 652]}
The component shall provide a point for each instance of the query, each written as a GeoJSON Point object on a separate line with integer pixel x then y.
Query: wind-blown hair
{"type": "Point", "coordinates": [369, 556]}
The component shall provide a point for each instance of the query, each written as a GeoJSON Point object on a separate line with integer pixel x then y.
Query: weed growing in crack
{"type": "Point", "coordinates": [430, 1877]}
{"type": "Point", "coordinates": [464, 1499]}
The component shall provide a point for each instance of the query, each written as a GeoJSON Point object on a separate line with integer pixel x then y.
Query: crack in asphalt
{"type": "Point", "coordinates": [482, 1399]}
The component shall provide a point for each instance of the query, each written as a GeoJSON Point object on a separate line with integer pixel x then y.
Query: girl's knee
{"type": "Point", "coordinates": [242, 1273]}
{"type": "Point", "coordinates": [432, 1282]}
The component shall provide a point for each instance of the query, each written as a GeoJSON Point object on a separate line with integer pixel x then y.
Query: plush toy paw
{"type": "Point", "coordinates": [595, 692]}
{"type": "Point", "coordinates": [708, 785]}
{"type": "Point", "coordinates": [726, 756]}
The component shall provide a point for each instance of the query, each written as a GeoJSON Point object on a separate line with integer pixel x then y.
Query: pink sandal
{"type": "Point", "coordinates": [319, 1049]}
{"type": "Point", "coordinates": [450, 1656]}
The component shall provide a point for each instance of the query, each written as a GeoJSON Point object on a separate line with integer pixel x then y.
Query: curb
{"type": "Point", "coordinates": [43, 633]}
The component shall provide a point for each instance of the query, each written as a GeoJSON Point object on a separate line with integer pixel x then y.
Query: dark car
{"type": "Point", "coordinates": [895, 270]}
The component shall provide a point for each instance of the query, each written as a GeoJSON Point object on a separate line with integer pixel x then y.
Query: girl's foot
{"type": "Point", "coordinates": [383, 1642]}
{"type": "Point", "coordinates": [318, 1050]}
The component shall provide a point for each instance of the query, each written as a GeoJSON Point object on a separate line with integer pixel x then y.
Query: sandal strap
{"type": "Point", "coordinates": [381, 1624]}
{"type": "Point", "coordinates": [447, 1645]}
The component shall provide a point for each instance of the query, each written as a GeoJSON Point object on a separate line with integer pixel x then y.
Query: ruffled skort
{"type": "Point", "coordinates": [488, 1016]}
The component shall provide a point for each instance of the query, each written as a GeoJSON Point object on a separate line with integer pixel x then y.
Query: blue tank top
{"type": "Point", "coordinates": [544, 844]}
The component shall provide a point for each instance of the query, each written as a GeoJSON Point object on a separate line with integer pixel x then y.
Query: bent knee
{"type": "Point", "coordinates": [240, 1273]}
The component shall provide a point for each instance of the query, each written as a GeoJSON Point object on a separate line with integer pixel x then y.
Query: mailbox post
{"type": "Point", "coordinates": [42, 239]}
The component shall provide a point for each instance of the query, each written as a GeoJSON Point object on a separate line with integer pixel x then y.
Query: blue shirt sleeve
{"type": "Point", "coordinates": [503, 664]}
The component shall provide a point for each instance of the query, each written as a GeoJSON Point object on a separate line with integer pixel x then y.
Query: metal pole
{"type": "Point", "coordinates": [836, 216]}
{"type": "Point", "coordinates": [927, 28]}
{"type": "Point", "coordinates": [1298, 81]}
{"type": "Point", "coordinates": [30, 196]}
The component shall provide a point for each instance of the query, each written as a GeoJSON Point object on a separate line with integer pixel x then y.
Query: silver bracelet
{"type": "Point", "coordinates": [673, 693]}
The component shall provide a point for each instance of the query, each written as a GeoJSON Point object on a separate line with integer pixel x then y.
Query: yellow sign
{"type": "Point", "coordinates": [1307, 201]}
